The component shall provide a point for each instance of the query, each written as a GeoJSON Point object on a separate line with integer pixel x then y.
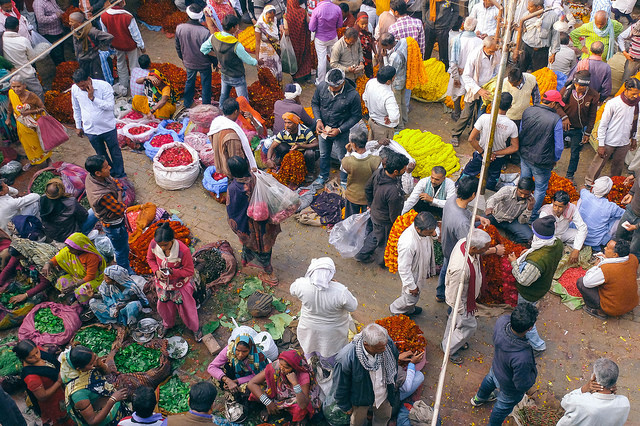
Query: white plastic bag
{"type": "Point", "coordinates": [282, 201]}
{"type": "Point", "coordinates": [266, 344]}
{"type": "Point", "coordinates": [179, 177]}
{"type": "Point", "coordinates": [139, 137]}
{"type": "Point", "coordinates": [348, 236]}
{"type": "Point", "coordinates": [240, 330]}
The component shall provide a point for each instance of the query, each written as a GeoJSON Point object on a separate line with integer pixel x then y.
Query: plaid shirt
{"type": "Point", "coordinates": [47, 17]}
{"type": "Point", "coordinates": [137, 89]}
{"type": "Point", "coordinates": [110, 203]}
{"type": "Point", "coordinates": [407, 26]}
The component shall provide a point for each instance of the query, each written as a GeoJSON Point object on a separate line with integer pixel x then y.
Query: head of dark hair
{"type": "Point", "coordinates": [12, 23]}
{"type": "Point", "coordinates": [597, 48]}
{"type": "Point", "coordinates": [144, 401]}
{"type": "Point", "coordinates": [425, 220]}
{"type": "Point", "coordinates": [523, 317]}
{"type": "Point", "coordinates": [527, 184]}
{"type": "Point", "coordinates": [344, 7]}
{"type": "Point", "coordinates": [387, 40]}
{"type": "Point", "coordinates": [369, 3]}
{"type": "Point", "coordinates": [632, 83]}
{"type": "Point", "coordinates": [80, 356]}
{"type": "Point", "coordinates": [144, 61]}
{"type": "Point", "coordinates": [350, 33]}
{"type": "Point", "coordinates": [515, 75]}
{"type": "Point", "coordinates": [561, 197]}
{"type": "Point", "coordinates": [399, 6]}
{"type": "Point", "coordinates": [13, 384]}
{"type": "Point", "coordinates": [238, 166]}
{"type": "Point", "coordinates": [24, 348]}
{"type": "Point", "coordinates": [195, 8]}
{"type": "Point", "coordinates": [230, 105]}
{"type": "Point", "coordinates": [395, 162]}
{"type": "Point", "coordinates": [334, 75]}
{"type": "Point", "coordinates": [80, 75]}
{"type": "Point", "coordinates": [201, 396]}
{"type": "Point", "coordinates": [467, 187]}
{"type": "Point", "coordinates": [506, 99]}
{"type": "Point", "coordinates": [622, 247]}
{"type": "Point", "coordinates": [229, 21]}
{"type": "Point", "coordinates": [439, 170]}
{"type": "Point", "coordinates": [564, 38]}
{"type": "Point", "coordinates": [385, 74]}
{"type": "Point", "coordinates": [94, 164]}
{"type": "Point", "coordinates": [164, 233]}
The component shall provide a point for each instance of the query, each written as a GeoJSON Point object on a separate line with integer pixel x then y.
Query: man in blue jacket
{"type": "Point", "coordinates": [514, 367]}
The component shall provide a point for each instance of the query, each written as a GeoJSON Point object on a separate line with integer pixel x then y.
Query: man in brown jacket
{"type": "Point", "coordinates": [201, 398]}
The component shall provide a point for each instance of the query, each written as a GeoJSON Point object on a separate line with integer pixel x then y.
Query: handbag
{"type": "Point", "coordinates": [51, 132]}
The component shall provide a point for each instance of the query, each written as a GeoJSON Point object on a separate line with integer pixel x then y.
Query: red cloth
{"type": "Point", "coordinates": [118, 26]}
{"type": "Point", "coordinates": [471, 290]}
{"type": "Point", "coordinates": [49, 408]}
{"type": "Point", "coordinates": [300, 37]}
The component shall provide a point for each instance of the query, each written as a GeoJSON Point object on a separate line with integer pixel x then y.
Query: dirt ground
{"type": "Point", "coordinates": [574, 339]}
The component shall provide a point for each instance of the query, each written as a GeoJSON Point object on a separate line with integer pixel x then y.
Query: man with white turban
{"type": "Point", "coordinates": [290, 103]}
{"type": "Point", "coordinates": [599, 214]}
{"type": "Point", "coordinates": [324, 322]}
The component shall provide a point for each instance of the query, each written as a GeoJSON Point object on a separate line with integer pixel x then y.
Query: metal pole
{"type": "Point", "coordinates": [483, 171]}
{"type": "Point", "coordinates": [59, 42]}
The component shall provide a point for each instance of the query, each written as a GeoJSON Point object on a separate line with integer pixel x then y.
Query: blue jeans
{"type": "Point", "coordinates": [120, 240]}
{"type": "Point", "coordinates": [522, 232]}
{"type": "Point", "coordinates": [474, 166]}
{"type": "Point", "coordinates": [505, 403]}
{"type": "Point", "coordinates": [89, 224]}
{"type": "Point", "coordinates": [190, 86]}
{"type": "Point", "coordinates": [226, 83]}
{"type": "Point", "coordinates": [533, 337]}
{"type": "Point", "coordinates": [326, 145]}
{"type": "Point", "coordinates": [443, 274]}
{"type": "Point", "coordinates": [541, 175]}
{"type": "Point", "coordinates": [109, 140]}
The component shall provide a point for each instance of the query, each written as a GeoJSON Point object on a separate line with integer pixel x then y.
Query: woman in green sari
{"type": "Point", "coordinates": [83, 264]}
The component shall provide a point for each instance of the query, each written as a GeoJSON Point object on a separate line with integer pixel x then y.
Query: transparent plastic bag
{"type": "Point", "coordinates": [288, 56]}
{"type": "Point", "coordinates": [348, 236]}
{"type": "Point", "coordinates": [258, 208]}
{"type": "Point", "coordinates": [282, 201]}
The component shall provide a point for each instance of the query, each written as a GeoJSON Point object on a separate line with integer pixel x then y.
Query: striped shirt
{"type": "Point", "coordinates": [587, 32]}
{"type": "Point", "coordinates": [303, 137]}
{"type": "Point", "coordinates": [506, 206]}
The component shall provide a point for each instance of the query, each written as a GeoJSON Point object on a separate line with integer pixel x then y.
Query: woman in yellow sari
{"type": "Point", "coordinates": [83, 264]}
{"type": "Point", "coordinates": [27, 108]}
{"type": "Point", "coordinates": [159, 98]}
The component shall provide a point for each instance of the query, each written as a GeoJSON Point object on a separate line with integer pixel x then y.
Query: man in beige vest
{"type": "Point", "coordinates": [524, 89]}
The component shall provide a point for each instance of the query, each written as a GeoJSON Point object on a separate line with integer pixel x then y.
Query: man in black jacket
{"type": "Point", "coordinates": [437, 24]}
{"type": "Point", "coordinates": [336, 106]}
{"type": "Point", "coordinates": [514, 367]}
{"type": "Point", "coordinates": [385, 198]}
{"type": "Point", "coordinates": [365, 376]}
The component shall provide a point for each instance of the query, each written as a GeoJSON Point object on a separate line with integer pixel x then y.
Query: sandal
{"type": "Point", "coordinates": [464, 347]}
{"type": "Point", "coordinates": [269, 279]}
{"type": "Point", "coordinates": [198, 335]}
{"type": "Point", "coordinates": [456, 358]}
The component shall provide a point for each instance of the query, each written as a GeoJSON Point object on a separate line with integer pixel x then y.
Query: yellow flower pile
{"type": "Point", "coordinates": [547, 79]}
{"type": "Point", "coordinates": [416, 72]}
{"type": "Point", "coordinates": [248, 39]}
{"type": "Point", "coordinates": [436, 86]}
{"type": "Point", "coordinates": [429, 151]}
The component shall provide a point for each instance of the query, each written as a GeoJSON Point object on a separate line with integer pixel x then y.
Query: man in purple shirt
{"type": "Point", "coordinates": [290, 103]}
{"type": "Point", "coordinates": [325, 21]}
{"type": "Point", "coordinates": [600, 70]}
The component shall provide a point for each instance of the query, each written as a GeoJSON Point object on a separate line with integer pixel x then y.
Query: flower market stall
{"type": "Point", "coordinates": [501, 285]}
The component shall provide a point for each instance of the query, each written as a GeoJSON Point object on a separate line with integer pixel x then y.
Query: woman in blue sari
{"type": "Point", "coordinates": [120, 298]}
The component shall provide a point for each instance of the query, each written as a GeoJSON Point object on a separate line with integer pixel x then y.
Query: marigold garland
{"type": "Point", "coordinates": [177, 76]}
{"type": "Point", "coordinates": [309, 111]}
{"type": "Point", "coordinates": [248, 39]}
{"type": "Point", "coordinates": [170, 23]}
{"type": "Point", "coordinates": [416, 72]}
{"type": "Point", "coordinates": [448, 102]}
{"type": "Point", "coordinates": [429, 151]}
{"type": "Point", "coordinates": [391, 251]}
{"type": "Point", "coordinates": [293, 169]}
{"type": "Point", "coordinates": [58, 105]}
{"type": "Point", "coordinates": [558, 183]}
{"type": "Point", "coordinates": [501, 285]}
{"type": "Point", "coordinates": [64, 73]}
{"type": "Point", "coordinates": [547, 79]}
{"type": "Point", "coordinates": [404, 332]}
{"type": "Point", "coordinates": [618, 191]}
{"type": "Point", "coordinates": [361, 83]}
{"type": "Point", "coordinates": [436, 86]}
{"type": "Point", "coordinates": [264, 93]}
{"type": "Point", "coordinates": [155, 12]}
{"type": "Point", "coordinates": [138, 248]}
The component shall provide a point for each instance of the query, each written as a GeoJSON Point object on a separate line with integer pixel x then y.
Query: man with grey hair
{"type": "Point", "coordinates": [87, 43]}
{"type": "Point", "coordinates": [416, 263]}
{"type": "Point", "coordinates": [365, 376]}
{"type": "Point", "coordinates": [596, 402]}
{"type": "Point", "coordinates": [540, 39]}
{"type": "Point", "coordinates": [359, 164]}
{"type": "Point", "coordinates": [468, 275]}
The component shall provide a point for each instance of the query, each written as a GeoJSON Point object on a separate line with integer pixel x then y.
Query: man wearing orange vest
{"type": "Point", "coordinates": [610, 287]}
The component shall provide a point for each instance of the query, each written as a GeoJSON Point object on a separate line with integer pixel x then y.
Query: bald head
{"type": "Point", "coordinates": [597, 48]}
{"type": "Point", "coordinates": [600, 19]}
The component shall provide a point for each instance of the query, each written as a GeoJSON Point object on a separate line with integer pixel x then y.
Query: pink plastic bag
{"type": "Point", "coordinates": [69, 317]}
{"type": "Point", "coordinates": [52, 133]}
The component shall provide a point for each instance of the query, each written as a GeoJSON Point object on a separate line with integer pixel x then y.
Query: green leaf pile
{"type": "Point", "coordinates": [98, 339]}
{"type": "Point", "coordinates": [4, 299]}
{"type": "Point", "coordinates": [40, 183]}
{"type": "Point", "coordinates": [136, 358]}
{"type": "Point", "coordinates": [251, 285]}
{"type": "Point", "coordinates": [9, 362]}
{"type": "Point", "coordinates": [46, 322]}
{"type": "Point", "coordinates": [174, 396]}
{"type": "Point", "coordinates": [277, 325]}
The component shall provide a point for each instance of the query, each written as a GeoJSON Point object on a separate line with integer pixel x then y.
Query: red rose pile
{"type": "Point", "coordinates": [160, 140]}
{"type": "Point", "coordinates": [218, 176]}
{"type": "Point", "coordinates": [153, 124]}
{"type": "Point", "coordinates": [258, 211]}
{"type": "Point", "coordinates": [138, 130]}
{"type": "Point", "coordinates": [569, 279]}
{"type": "Point", "coordinates": [120, 125]}
{"type": "Point", "coordinates": [175, 126]}
{"type": "Point", "coordinates": [176, 156]}
{"type": "Point", "coordinates": [501, 285]}
{"type": "Point", "coordinates": [618, 191]}
{"type": "Point", "coordinates": [133, 115]}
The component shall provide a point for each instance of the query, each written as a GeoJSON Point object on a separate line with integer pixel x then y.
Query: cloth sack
{"type": "Point", "coordinates": [51, 132]}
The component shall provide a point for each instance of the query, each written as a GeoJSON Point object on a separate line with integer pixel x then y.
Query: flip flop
{"type": "Point", "coordinates": [269, 279]}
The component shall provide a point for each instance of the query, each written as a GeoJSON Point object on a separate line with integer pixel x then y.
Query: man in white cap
{"type": "Point", "coordinates": [290, 103]}
{"type": "Point", "coordinates": [599, 214]}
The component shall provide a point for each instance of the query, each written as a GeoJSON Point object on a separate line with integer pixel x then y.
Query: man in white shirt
{"type": "Point", "coordinates": [486, 13]}
{"type": "Point", "coordinates": [384, 113]}
{"type": "Point", "coordinates": [617, 131]}
{"type": "Point", "coordinates": [565, 214]}
{"type": "Point", "coordinates": [506, 130]}
{"type": "Point", "coordinates": [93, 103]}
{"type": "Point", "coordinates": [596, 402]}
{"type": "Point", "coordinates": [416, 263]}
{"type": "Point", "coordinates": [17, 49]}
{"type": "Point", "coordinates": [431, 193]}
{"type": "Point", "coordinates": [9, 10]}
{"type": "Point", "coordinates": [11, 205]}
{"type": "Point", "coordinates": [461, 46]}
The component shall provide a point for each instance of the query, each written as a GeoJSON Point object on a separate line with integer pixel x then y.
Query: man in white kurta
{"type": "Point", "coordinates": [324, 323]}
{"type": "Point", "coordinates": [469, 275]}
{"type": "Point", "coordinates": [565, 214]}
{"type": "Point", "coordinates": [416, 263]}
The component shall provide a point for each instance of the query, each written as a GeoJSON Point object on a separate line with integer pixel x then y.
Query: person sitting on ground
{"type": "Point", "coordinates": [290, 103]}
{"type": "Point", "coordinates": [359, 165]}
{"type": "Point", "coordinates": [62, 214]}
{"type": "Point", "coordinates": [505, 142]}
{"type": "Point", "coordinates": [202, 396]}
{"type": "Point", "coordinates": [235, 365]}
{"type": "Point", "coordinates": [599, 214]}
{"type": "Point", "coordinates": [11, 205]}
{"type": "Point", "coordinates": [137, 89]}
{"type": "Point", "coordinates": [289, 385]}
{"type": "Point", "coordinates": [566, 213]}
{"type": "Point", "coordinates": [120, 297]}
{"type": "Point", "coordinates": [295, 136]}
{"type": "Point", "coordinates": [143, 402]}
{"type": "Point", "coordinates": [596, 402]}
{"type": "Point", "coordinates": [510, 209]}
{"type": "Point", "coordinates": [431, 193]}
{"type": "Point", "coordinates": [159, 97]}
{"type": "Point", "coordinates": [416, 263]}
{"type": "Point", "coordinates": [610, 287]}
{"type": "Point", "coordinates": [409, 379]}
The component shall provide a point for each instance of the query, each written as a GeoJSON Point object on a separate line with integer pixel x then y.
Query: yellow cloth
{"type": "Point", "coordinates": [140, 103]}
{"type": "Point", "coordinates": [28, 136]}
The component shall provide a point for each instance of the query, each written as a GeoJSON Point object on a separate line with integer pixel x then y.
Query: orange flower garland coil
{"type": "Point", "coordinates": [247, 39]}
{"type": "Point", "coordinates": [391, 251]}
{"type": "Point", "coordinates": [558, 183]}
{"type": "Point", "coordinates": [293, 169]}
{"type": "Point", "coordinates": [264, 93]}
{"type": "Point", "coordinates": [64, 73]}
{"type": "Point", "coordinates": [138, 248]}
{"type": "Point", "coordinates": [404, 332]}
{"type": "Point", "coordinates": [156, 12]}
{"type": "Point", "coordinates": [58, 105]}
{"type": "Point", "coordinates": [170, 23]}
{"type": "Point", "coordinates": [547, 79]}
{"type": "Point", "coordinates": [618, 191]}
{"type": "Point", "coordinates": [416, 72]}
{"type": "Point", "coordinates": [361, 83]}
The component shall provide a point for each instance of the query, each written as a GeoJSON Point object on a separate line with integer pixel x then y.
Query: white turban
{"type": "Point", "coordinates": [602, 186]}
{"type": "Point", "coordinates": [288, 94]}
{"type": "Point", "coordinates": [193, 15]}
{"type": "Point", "coordinates": [320, 272]}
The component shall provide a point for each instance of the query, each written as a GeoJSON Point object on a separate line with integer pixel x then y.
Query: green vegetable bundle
{"type": "Point", "coordinates": [4, 299]}
{"type": "Point", "coordinates": [136, 358]}
{"type": "Point", "coordinates": [174, 396]}
{"type": "Point", "coordinates": [9, 362]}
{"type": "Point", "coordinates": [210, 264]}
{"type": "Point", "coordinates": [46, 322]}
{"type": "Point", "coordinates": [39, 184]}
{"type": "Point", "coordinates": [98, 339]}
{"type": "Point", "coordinates": [1, 157]}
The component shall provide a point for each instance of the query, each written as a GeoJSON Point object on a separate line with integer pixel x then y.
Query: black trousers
{"type": "Point", "coordinates": [534, 59]}
{"type": "Point", "coordinates": [442, 37]}
{"type": "Point", "coordinates": [374, 244]}
{"type": "Point", "coordinates": [591, 295]}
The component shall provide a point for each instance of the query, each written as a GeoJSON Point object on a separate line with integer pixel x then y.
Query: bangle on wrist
{"type": "Point", "coordinates": [112, 399]}
{"type": "Point", "coordinates": [265, 399]}
{"type": "Point", "coordinates": [297, 389]}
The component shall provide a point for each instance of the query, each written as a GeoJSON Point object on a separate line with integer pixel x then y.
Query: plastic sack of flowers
{"type": "Point", "coordinates": [176, 177]}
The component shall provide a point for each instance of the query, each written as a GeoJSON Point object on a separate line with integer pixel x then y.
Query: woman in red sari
{"type": "Point", "coordinates": [367, 42]}
{"type": "Point", "coordinates": [296, 25]}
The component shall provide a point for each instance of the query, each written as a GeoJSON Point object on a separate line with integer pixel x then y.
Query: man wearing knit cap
{"type": "Point", "coordinates": [534, 270]}
{"type": "Point", "coordinates": [290, 103]}
{"type": "Point", "coordinates": [295, 136]}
